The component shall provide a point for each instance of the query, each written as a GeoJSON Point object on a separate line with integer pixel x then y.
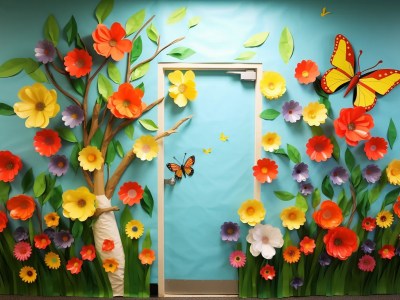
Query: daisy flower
{"type": "Point", "coordinates": [272, 85]}
{"type": "Point", "coordinates": [146, 148]}
{"type": "Point", "coordinates": [10, 165]}
{"type": "Point", "coordinates": [237, 259]}
{"type": "Point", "coordinates": [130, 193]}
{"type": "Point", "coordinates": [28, 274]}
{"type": "Point", "coordinates": [134, 229]}
{"type": "Point", "coordinates": [22, 251]}
{"type": "Point", "coordinates": [147, 256]}
{"type": "Point", "coordinates": [72, 116]}
{"type": "Point", "coordinates": [384, 219]}
{"type": "Point", "coordinates": [291, 111]}
{"type": "Point", "coordinates": [271, 141]}
{"type": "Point", "coordinates": [52, 260]}
{"type": "Point", "coordinates": [306, 71]}
{"type": "Point", "coordinates": [78, 62]}
{"type": "Point", "coordinates": [183, 87]}
{"type": "Point", "coordinates": [47, 142]}
{"type": "Point", "coordinates": [90, 158]}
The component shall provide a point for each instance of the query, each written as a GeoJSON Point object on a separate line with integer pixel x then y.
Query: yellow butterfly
{"type": "Point", "coordinates": [223, 137]}
{"type": "Point", "coordinates": [324, 12]}
{"type": "Point", "coordinates": [207, 151]}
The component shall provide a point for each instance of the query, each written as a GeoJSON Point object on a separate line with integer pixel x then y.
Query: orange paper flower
{"type": "Point", "coordinates": [21, 207]}
{"type": "Point", "coordinates": [10, 165]}
{"type": "Point", "coordinates": [306, 71]}
{"type": "Point", "coordinates": [387, 251]}
{"type": "Point", "coordinates": [319, 148]}
{"type": "Point", "coordinates": [354, 125]}
{"type": "Point", "coordinates": [47, 142]}
{"type": "Point", "coordinates": [267, 272]}
{"type": "Point", "coordinates": [110, 265]}
{"type": "Point", "coordinates": [130, 193]}
{"type": "Point", "coordinates": [329, 215]}
{"type": "Point", "coordinates": [368, 224]}
{"type": "Point", "coordinates": [376, 148]}
{"type": "Point", "coordinates": [3, 220]}
{"type": "Point", "coordinates": [396, 207]}
{"type": "Point", "coordinates": [88, 252]}
{"type": "Point", "coordinates": [126, 102]}
{"type": "Point", "coordinates": [52, 219]}
{"type": "Point", "coordinates": [74, 265]}
{"type": "Point", "coordinates": [78, 62]}
{"type": "Point", "coordinates": [108, 245]}
{"type": "Point", "coordinates": [266, 170]}
{"type": "Point", "coordinates": [291, 254]}
{"type": "Point", "coordinates": [341, 242]}
{"type": "Point", "coordinates": [147, 256]}
{"type": "Point", "coordinates": [42, 241]}
{"type": "Point", "coordinates": [111, 41]}
{"type": "Point", "coordinates": [307, 245]}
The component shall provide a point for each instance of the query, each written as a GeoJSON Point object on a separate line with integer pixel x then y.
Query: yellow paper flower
{"type": "Point", "coordinates": [251, 212]}
{"type": "Point", "coordinates": [78, 204]}
{"type": "Point", "coordinates": [393, 172]}
{"type": "Point", "coordinates": [315, 114]}
{"type": "Point", "coordinates": [28, 274]}
{"type": "Point", "coordinates": [272, 85]}
{"type": "Point", "coordinates": [38, 105]}
{"type": "Point", "coordinates": [271, 141]}
{"type": "Point", "coordinates": [183, 88]}
{"type": "Point", "coordinates": [293, 217]}
{"type": "Point", "coordinates": [384, 219]}
{"type": "Point", "coordinates": [134, 229]}
{"type": "Point", "coordinates": [52, 260]}
{"type": "Point", "coordinates": [52, 219]}
{"type": "Point", "coordinates": [110, 265]}
{"type": "Point", "coordinates": [146, 147]}
{"type": "Point", "coordinates": [90, 158]}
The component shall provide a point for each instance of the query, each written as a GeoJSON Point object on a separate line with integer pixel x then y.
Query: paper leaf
{"type": "Point", "coordinates": [181, 52]}
{"type": "Point", "coordinates": [194, 22]}
{"type": "Point", "coordinates": [114, 73]}
{"type": "Point", "coordinates": [141, 86]}
{"type": "Point", "coordinates": [294, 154]}
{"type": "Point", "coordinates": [71, 31]}
{"type": "Point", "coordinates": [103, 9]}
{"type": "Point", "coordinates": [6, 110]}
{"type": "Point", "coordinates": [327, 104]}
{"type": "Point", "coordinates": [281, 151]}
{"type": "Point", "coordinates": [110, 155]}
{"type": "Point", "coordinates": [51, 30]}
{"type": "Point", "coordinates": [67, 134]}
{"type": "Point", "coordinates": [177, 15]}
{"type": "Point", "coordinates": [152, 33]}
{"type": "Point", "coordinates": [79, 85]}
{"type": "Point", "coordinates": [5, 189]}
{"type": "Point", "coordinates": [342, 199]}
{"type": "Point", "coordinates": [391, 133]}
{"type": "Point", "coordinates": [137, 49]}
{"type": "Point", "coordinates": [246, 55]}
{"type": "Point", "coordinates": [147, 201]}
{"type": "Point", "coordinates": [39, 185]}
{"type": "Point", "coordinates": [301, 202]}
{"type": "Point", "coordinates": [148, 124]}
{"type": "Point", "coordinates": [355, 176]}
{"type": "Point", "coordinates": [27, 181]}
{"type": "Point", "coordinates": [327, 188]}
{"type": "Point", "coordinates": [77, 229]}
{"type": "Point", "coordinates": [12, 67]}
{"type": "Point", "coordinates": [104, 86]}
{"type": "Point", "coordinates": [390, 197]}
{"type": "Point", "coordinates": [286, 45]}
{"type": "Point", "coordinates": [140, 71]}
{"type": "Point", "coordinates": [129, 131]}
{"type": "Point", "coordinates": [119, 149]}
{"type": "Point", "coordinates": [336, 149]}
{"type": "Point", "coordinates": [135, 22]}
{"type": "Point", "coordinates": [315, 198]}
{"type": "Point", "coordinates": [256, 40]}
{"type": "Point", "coordinates": [147, 240]}
{"type": "Point", "coordinates": [97, 138]}
{"type": "Point", "coordinates": [38, 75]}
{"type": "Point", "coordinates": [269, 114]}
{"type": "Point", "coordinates": [30, 65]}
{"type": "Point", "coordinates": [73, 158]}
{"type": "Point", "coordinates": [349, 159]}
{"type": "Point", "coordinates": [285, 196]}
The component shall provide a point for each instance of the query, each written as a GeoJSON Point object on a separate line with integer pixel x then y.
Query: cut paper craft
{"type": "Point", "coordinates": [286, 45]}
{"type": "Point", "coordinates": [324, 12]}
{"type": "Point", "coordinates": [223, 137]}
{"type": "Point", "coordinates": [256, 40]}
{"type": "Point", "coordinates": [207, 150]}
{"type": "Point", "coordinates": [184, 169]}
{"type": "Point", "coordinates": [194, 22]}
{"type": "Point", "coordinates": [177, 15]}
{"type": "Point", "coordinates": [365, 85]}
{"type": "Point", "coordinates": [247, 55]}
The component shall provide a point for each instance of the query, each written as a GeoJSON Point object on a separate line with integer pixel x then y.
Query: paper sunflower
{"type": "Point", "coordinates": [306, 71]}
{"type": "Point", "coordinates": [341, 242]}
{"type": "Point", "coordinates": [52, 260]}
{"type": "Point", "coordinates": [88, 252]}
{"type": "Point", "coordinates": [292, 217]}
{"type": "Point", "coordinates": [27, 274]}
{"type": "Point", "coordinates": [3, 220]}
{"type": "Point", "coordinates": [130, 193]}
{"type": "Point", "coordinates": [47, 142]}
{"type": "Point", "coordinates": [237, 259]}
{"type": "Point", "coordinates": [183, 87]}
{"type": "Point", "coordinates": [126, 102]}
{"type": "Point", "coordinates": [264, 238]}
{"type": "Point", "coordinates": [375, 148]}
{"type": "Point", "coordinates": [134, 229]}
{"type": "Point", "coordinates": [267, 272]}
{"type": "Point", "coordinates": [22, 251]}
{"type": "Point", "coordinates": [315, 114]}
{"type": "Point", "coordinates": [319, 148]}
{"type": "Point", "coordinates": [147, 256]}
{"type": "Point", "coordinates": [10, 165]}
{"type": "Point", "coordinates": [271, 141]}
{"type": "Point", "coordinates": [110, 265]}
{"type": "Point", "coordinates": [41, 241]}
{"type": "Point", "coordinates": [251, 212]}
{"type": "Point", "coordinates": [78, 204]}
{"type": "Point", "coordinates": [307, 245]}
{"type": "Point", "coordinates": [266, 170]}
{"type": "Point", "coordinates": [272, 85]}
{"type": "Point", "coordinates": [90, 158]}
{"type": "Point", "coordinates": [329, 215]}
{"type": "Point", "coordinates": [21, 207]}
{"type": "Point", "coordinates": [74, 265]}
{"type": "Point", "coordinates": [291, 254]}
{"type": "Point", "coordinates": [393, 172]}
{"type": "Point", "coordinates": [384, 219]}
{"type": "Point", "coordinates": [52, 219]}
{"type": "Point", "coordinates": [78, 63]}
{"type": "Point", "coordinates": [146, 147]}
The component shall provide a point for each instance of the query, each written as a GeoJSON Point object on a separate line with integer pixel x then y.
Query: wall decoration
{"type": "Point", "coordinates": [185, 168]}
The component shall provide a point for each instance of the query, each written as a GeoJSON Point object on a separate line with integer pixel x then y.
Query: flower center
{"type": "Point", "coordinates": [60, 164]}
{"type": "Point", "coordinates": [80, 63]}
{"type": "Point", "coordinates": [74, 116]}
{"type": "Point", "coordinates": [126, 103]}
{"type": "Point", "coordinates": [250, 211]}
{"type": "Point", "coordinates": [112, 43]}
{"type": "Point", "coordinates": [29, 273]}
{"type": "Point", "coordinates": [110, 265]}
{"type": "Point", "coordinates": [65, 238]}
{"type": "Point", "coordinates": [76, 265]}
{"type": "Point", "coordinates": [271, 85]}
{"type": "Point", "coordinates": [327, 214]}
{"type": "Point", "coordinates": [351, 126]}
{"type": "Point", "coordinates": [43, 241]}
{"type": "Point", "coordinates": [81, 202]}
{"type": "Point", "coordinates": [312, 114]}
{"type": "Point", "coordinates": [265, 240]}
{"type": "Point", "coordinates": [292, 216]}
{"type": "Point", "coordinates": [40, 106]}
{"type": "Point", "coordinates": [91, 158]}
{"type": "Point", "coordinates": [135, 229]}
{"type": "Point", "coordinates": [132, 193]}
{"type": "Point", "coordinates": [146, 148]}
{"type": "Point", "coordinates": [10, 165]}
{"type": "Point", "coordinates": [337, 242]}
{"type": "Point", "coordinates": [304, 74]}
{"type": "Point", "coordinates": [48, 140]}
{"type": "Point", "coordinates": [373, 148]}
{"type": "Point", "coordinates": [319, 147]}
{"type": "Point", "coordinates": [89, 252]}
{"type": "Point", "coordinates": [291, 253]}
{"type": "Point", "coordinates": [229, 231]}
{"type": "Point", "coordinates": [383, 218]}
{"type": "Point", "coordinates": [264, 170]}
{"type": "Point", "coordinates": [237, 258]}
{"type": "Point", "coordinates": [182, 88]}
{"type": "Point", "coordinates": [290, 111]}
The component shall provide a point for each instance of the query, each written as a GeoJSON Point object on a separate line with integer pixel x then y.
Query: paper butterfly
{"type": "Point", "coordinates": [223, 137]}
{"type": "Point", "coordinates": [365, 85]}
{"type": "Point", "coordinates": [324, 12]}
{"type": "Point", "coordinates": [182, 169]}
{"type": "Point", "coordinates": [207, 151]}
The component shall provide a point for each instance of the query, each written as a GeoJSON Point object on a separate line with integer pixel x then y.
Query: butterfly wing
{"type": "Point", "coordinates": [343, 61]}
{"type": "Point", "coordinates": [187, 167]}
{"type": "Point", "coordinates": [176, 169]}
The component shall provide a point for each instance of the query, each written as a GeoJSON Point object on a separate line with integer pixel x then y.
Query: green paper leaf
{"type": "Point", "coordinates": [148, 124]}
{"type": "Point", "coordinates": [147, 240]}
{"type": "Point", "coordinates": [56, 199]}
{"type": "Point", "coordinates": [104, 86]}
{"type": "Point", "coordinates": [103, 9]}
{"type": "Point", "coordinates": [327, 103]}
{"type": "Point", "coordinates": [315, 198]}
{"type": "Point", "coordinates": [377, 189]}
{"type": "Point", "coordinates": [71, 30]}
{"type": "Point", "coordinates": [152, 33]}
{"type": "Point", "coordinates": [256, 40]}
{"type": "Point", "coordinates": [317, 130]}
{"type": "Point", "coordinates": [194, 22]}
{"type": "Point", "coordinates": [286, 45]}
{"type": "Point", "coordinates": [246, 55]}
{"type": "Point", "coordinates": [294, 154]}
{"type": "Point", "coordinates": [119, 149]}
{"type": "Point", "coordinates": [77, 229]}
{"type": "Point", "coordinates": [30, 66]}
{"type": "Point", "coordinates": [342, 200]}
{"type": "Point", "coordinates": [38, 75]}
{"type": "Point", "coordinates": [51, 30]}
{"type": "Point", "coordinates": [349, 159]}
{"type": "Point", "coordinates": [301, 202]}
{"type": "Point", "coordinates": [336, 149]}
{"type": "Point", "coordinates": [177, 15]}
{"type": "Point", "coordinates": [147, 201]}
{"type": "Point", "coordinates": [5, 189]}
{"type": "Point", "coordinates": [355, 176]}
{"type": "Point", "coordinates": [285, 196]}
{"type": "Point", "coordinates": [269, 114]}
{"type": "Point", "coordinates": [141, 86]}
{"type": "Point", "coordinates": [12, 67]}
{"type": "Point", "coordinates": [39, 185]}
{"type": "Point", "coordinates": [79, 85]}
{"type": "Point", "coordinates": [391, 133]}
{"type": "Point", "coordinates": [129, 131]}
{"type": "Point", "coordinates": [66, 134]}
{"type": "Point", "coordinates": [111, 153]}
{"type": "Point", "coordinates": [114, 73]}
{"type": "Point", "coordinates": [73, 159]}
{"type": "Point", "coordinates": [390, 197]}
{"type": "Point", "coordinates": [97, 138]}
{"type": "Point", "coordinates": [140, 71]}
{"type": "Point", "coordinates": [6, 110]}
{"type": "Point", "coordinates": [27, 181]}
{"type": "Point", "coordinates": [137, 49]}
{"type": "Point", "coordinates": [135, 22]}
{"type": "Point", "coordinates": [281, 151]}
{"type": "Point", "coordinates": [181, 52]}
{"type": "Point", "coordinates": [327, 188]}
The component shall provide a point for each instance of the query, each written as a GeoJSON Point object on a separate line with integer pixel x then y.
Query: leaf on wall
{"type": "Point", "coordinates": [256, 40]}
{"type": "Point", "coordinates": [246, 55]}
{"type": "Point", "coordinates": [281, 151]}
{"type": "Point", "coordinates": [147, 202]}
{"type": "Point", "coordinates": [12, 67]}
{"type": "Point", "coordinates": [315, 198]}
{"type": "Point", "coordinates": [148, 124]}
{"type": "Point", "coordinates": [73, 159]}
{"type": "Point", "coordinates": [39, 185]}
{"type": "Point", "coordinates": [119, 149]}
{"type": "Point", "coordinates": [194, 22]}
{"type": "Point", "coordinates": [181, 52]}
{"type": "Point", "coordinates": [286, 45]}
{"type": "Point", "coordinates": [104, 86]}
{"type": "Point", "coordinates": [391, 133]}
{"type": "Point", "coordinates": [140, 71]}
{"type": "Point", "coordinates": [38, 75]}
{"type": "Point", "coordinates": [129, 131]}
{"type": "Point", "coordinates": [6, 110]}
{"type": "Point", "coordinates": [137, 49]}
{"type": "Point", "coordinates": [77, 229]}
{"type": "Point", "coordinates": [177, 15]}
{"type": "Point", "coordinates": [293, 153]}
{"type": "Point", "coordinates": [114, 73]}
{"type": "Point", "coordinates": [110, 155]}
{"type": "Point", "coordinates": [103, 9]}
{"type": "Point", "coordinates": [71, 31]}
{"type": "Point", "coordinates": [152, 33]}
{"type": "Point", "coordinates": [269, 114]}
{"type": "Point", "coordinates": [5, 189]}
{"type": "Point", "coordinates": [285, 196]}
{"type": "Point", "coordinates": [27, 181]}
{"type": "Point", "coordinates": [30, 65]}
{"type": "Point", "coordinates": [327, 188]}
{"type": "Point", "coordinates": [79, 85]}
{"type": "Point", "coordinates": [67, 134]}
{"type": "Point", "coordinates": [301, 202]}
{"type": "Point", "coordinates": [135, 22]}
{"type": "Point", "coordinates": [349, 159]}
{"type": "Point", "coordinates": [336, 149]}
{"type": "Point", "coordinates": [51, 30]}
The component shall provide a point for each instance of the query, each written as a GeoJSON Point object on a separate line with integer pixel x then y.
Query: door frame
{"type": "Point", "coordinates": [162, 67]}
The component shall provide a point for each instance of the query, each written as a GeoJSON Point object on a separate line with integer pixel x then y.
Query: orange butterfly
{"type": "Point", "coordinates": [182, 169]}
{"type": "Point", "coordinates": [365, 86]}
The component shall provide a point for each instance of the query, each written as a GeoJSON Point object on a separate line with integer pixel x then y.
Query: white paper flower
{"type": "Point", "coordinates": [264, 239]}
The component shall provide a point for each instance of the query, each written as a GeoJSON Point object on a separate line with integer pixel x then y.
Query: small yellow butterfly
{"type": "Point", "coordinates": [207, 151]}
{"type": "Point", "coordinates": [223, 137]}
{"type": "Point", "coordinates": [324, 12]}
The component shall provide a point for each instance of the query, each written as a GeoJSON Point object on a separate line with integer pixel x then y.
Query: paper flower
{"type": "Point", "coordinates": [52, 219]}
{"type": "Point", "coordinates": [264, 239]}
{"type": "Point", "coordinates": [292, 217]}
{"type": "Point", "coordinates": [63, 239]}
{"type": "Point", "coordinates": [371, 173]}
{"type": "Point", "coordinates": [147, 256]}
{"type": "Point", "coordinates": [58, 165]}
{"type": "Point", "coordinates": [296, 282]}
{"type": "Point", "coordinates": [3, 220]}
{"type": "Point", "coordinates": [20, 234]}
{"type": "Point", "coordinates": [306, 71]}
{"type": "Point", "coordinates": [339, 175]}
{"type": "Point", "coordinates": [45, 51]}
{"type": "Point", "coordinates": [78, 204]}
{"type": "Point", "coordinates": [146, 148]}
{"type": "Point", "coordinates": [183, 87]}
{"type": "Point", "coordinates": [50, 232]}
{"type": "Point", "coordinates": [366, 263]}
{"type": "Point", "coordinates": [267, 272]}
{"type": "Point", "coordinates": [130, 193]}
{"type": "Point", "coordinates": [126, 103]}
{"type": "Point", "coordinates": [291, 111]}
{"type": "Point", "coordinates": [38, 105]}
{"type": "Point", "coordinates": [375, 148]}
{"type": "Point", "coordinates": [340, 242]}
{"type": "Point", "coordinates": [72, 116]}
{"type": "Point", "coordinates": [28, 274]}
{"type": "Point", "coordinates": [266, 170]}
{"type": "Point", "coordinates": [319, 148]}
{"type": "Point", "coordinates": [90, 158]}
{"type": "Point", "coordinates": [328, 216]}
{"type": "Point", "coordinates": [393, 172]}
{"type": "Point", "coordinates": [74, 265]}
{"type": "Point", "coordinates": [237, 259]}
{"type": "Point", "coordinates": [47, 142]}
{"type": "Point", "coordinates": [111, 42]}
{"type": "Point", "coordinates": [230, 231]}
{"type": "Point", "coordinates": [271, 141]}
{"type": "Point", "coordinates": [315, 114]}
{"type": "Point", "coordinates": [272, 85]}
{"type": "Point", "coordinates": [368, 246]}
{"type": "Point", "coordinates": [307, 245]}
{"type": "Point", "coordinates": [396, 207]}
{"type": "Point", "coordinates": [291, 254]}
{"type": "Point", "coordinates": [134, 229]}
{"type": "Point", "coordinates": [368, 224]}
{"type": "Point", "coordinates": [108, 245]}
{"type": "Point", "coordinates": [110, 265]}
{"type": "Point", "coordinates": [354, 125]}
{"type": "Point", "coordinates": [387, 252]}
{"type": "Point", "coordinates": [52, 260]}
{"type": "Point", "coordinates": [22, 251]}
{"type": "Point", "coordinates": [384, 219]}
{"type": "Point", "coordinates": [21, 207]}
{"type": "Point", "coordinates": [78, 62]}
{"type": "Point", "coordinates": [41, 241]}
{"type": "Point", "coordinates": [88, 252]}
{"type": "Point", "coordinates": [306, 188]}
{"type": "Point", "coordinates": [10, 165]}
{"type": "Point", "coordinates": [324, 259]}
{"type": "Point", "coordinates": [300, 172]}
{"type": "Point", "coordinates": [251, 212]}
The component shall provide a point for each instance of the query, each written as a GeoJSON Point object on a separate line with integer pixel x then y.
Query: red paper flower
{"type": "Point", "coordinates": [78, 62]}
{"type": "Point", "coordinates": [147, 256]}
{"type": "Point", "coordinates": [319, 148]}
{"type": "Point", "coordinates": [130, 193]}
{"type": "Point", "coordinates": [307, 245]}
{"type": "Point", "coordinates": [3, 220]}
{"type": "Point", "coordinates": [126, 102]}
{"type": "Point", "coordinates": [354, 125]}
{"type": "Point", "coordinates": [340, 242]}
{"type": "Point", "coordinates": [41, 241]}
{"type": "Point", "coordinates": [376, 148]}
{"type": "Point", "coordinates": [21, 207]}
{"type": "Point", "coordinates": [88, 252]}
{"type": "Point", "coordinates": [108, 245]}
{"type": "Point", "coordinates": [267, 272]}
{"type": "Point", "coordinates": [368, 224]}
{"type": "Point", "coordinates": [306, 71]}
{"type": "Point", "coordinates": [266, 170]}
{"type": "Point", "coordinates": [10, 165]}
{"type": "Point", "coordinates": [47, 142]}
{"type": "Point", "coordinates": [396, 207]}
{"type": "Point", "coordinates": [387, 251]}
{"type": "Point", "coordinates": [329, 215]}
{"type": "Point", "coordinates": [74, 265]}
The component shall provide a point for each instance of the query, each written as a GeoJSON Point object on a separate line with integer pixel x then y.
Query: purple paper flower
{"type": "Point", "coordinates": [20, 234]}
{"type": "Point", "coordinates": [63, 239]}
{"type": "Point", "coordinates": [296, 282]}
{"type": "Point", "coordinates": [291, 111]}
{"type": "Point", "coordinates": [339, 175]}
{"type": "Point", "coordinates": [50, 232]}
{"type": "Point", "coordinates": [368, 246]}
{"type": "Point", "coordinates": [44, 51]}
{"type": "Point", "coordinates": [300, 172]}
{"type": "Point", "coordinates": [58, 165]}
{"type": "Point", "coordinates": [306, 188]}
{"type": "Point", "coordinates": [371, 173]}
{"type": "Point", "coordinates": [397, 252]}
{"type": "Point", "coordinates": [72, 116]}
{"type": "Point", "coordinates": [324, 259]}
{"type": "Point", "coordinates": [230, 231]}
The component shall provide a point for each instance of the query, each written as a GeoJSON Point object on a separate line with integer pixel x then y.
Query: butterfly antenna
{"type": "Point", "coordinates": [184, 156]}
{"type": "Point", "coordinates": [176, 160]}
{"type": "Point", "coordinates": [379, 62]}
{"type": "Point", "coordinates": [358, 60]}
